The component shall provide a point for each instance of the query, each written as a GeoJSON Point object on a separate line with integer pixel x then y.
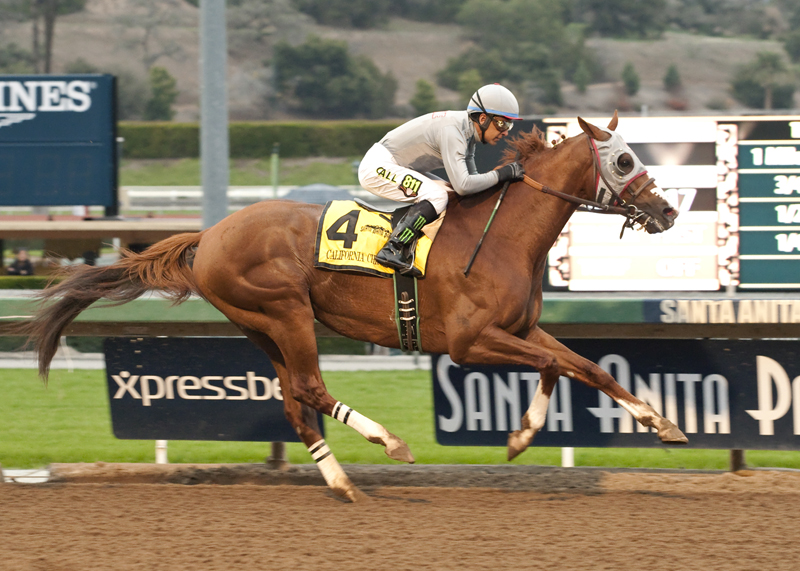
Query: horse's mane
{"type": "Point", "coordinates": [525, 144]}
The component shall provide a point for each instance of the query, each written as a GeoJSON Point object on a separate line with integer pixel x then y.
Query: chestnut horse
{"type": "Point", "coordinates": [256, 266]}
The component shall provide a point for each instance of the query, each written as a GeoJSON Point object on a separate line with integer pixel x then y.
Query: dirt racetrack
{"type": "Point", "coordinates": [511, 517]}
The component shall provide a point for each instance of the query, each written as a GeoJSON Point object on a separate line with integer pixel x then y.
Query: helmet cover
{"type": "Point", "coordinates": [494, 99]}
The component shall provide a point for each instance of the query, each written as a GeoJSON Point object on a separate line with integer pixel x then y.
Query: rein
{"type": "Point", "coordinates": [591, 205]}
{"type": "Point", "coordinates": [630, 211]}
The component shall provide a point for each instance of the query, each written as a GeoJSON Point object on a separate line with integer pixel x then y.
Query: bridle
{"type": "Point", "coordinates": [608, 200]}
{"type": "Point", "coordinates": [612, 204]}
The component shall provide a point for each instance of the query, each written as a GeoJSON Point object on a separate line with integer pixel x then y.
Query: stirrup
{"type": "Point", "coordinates": [392, 257]}
{"type": "Point", "coordinates": [410, 269]}
{"type": "Point", "coordinates": [412, 272]}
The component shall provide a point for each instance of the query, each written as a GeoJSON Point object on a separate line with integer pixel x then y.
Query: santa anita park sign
{"type": "Point", "coordinates": [722, 393]}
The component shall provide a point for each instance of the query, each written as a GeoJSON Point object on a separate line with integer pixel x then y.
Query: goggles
{"type": "Point", "coordinates": [502, 124]}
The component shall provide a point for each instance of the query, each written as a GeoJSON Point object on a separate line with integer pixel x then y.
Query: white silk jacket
{"type": "Point", "coordinates": [444, 139]}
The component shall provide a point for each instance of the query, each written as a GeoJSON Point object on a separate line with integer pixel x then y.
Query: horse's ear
{"type": "Point", "coordinates": [612, 125]}
{"type": "Point", "coordinates": [592, 131]}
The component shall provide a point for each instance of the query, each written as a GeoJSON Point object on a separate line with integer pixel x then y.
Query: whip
{"type": "Point", "coordinates": [488, 224]}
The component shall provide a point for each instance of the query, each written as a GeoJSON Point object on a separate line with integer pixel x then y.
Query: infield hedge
{"type": "Point", "coordinates": [160, 140]}
{"type": "Point", "coordinates": [24, 282]}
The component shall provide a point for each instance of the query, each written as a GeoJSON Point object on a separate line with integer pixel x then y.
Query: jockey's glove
{"type": "Point", "coordinates": [512, 172]}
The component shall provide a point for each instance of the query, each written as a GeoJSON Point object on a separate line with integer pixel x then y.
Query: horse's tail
{"type": "Point", "coordinates": [164, 266]}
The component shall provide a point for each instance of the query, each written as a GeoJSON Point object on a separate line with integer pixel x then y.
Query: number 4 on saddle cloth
{"type": "Point", "coordinates": [351, 233]}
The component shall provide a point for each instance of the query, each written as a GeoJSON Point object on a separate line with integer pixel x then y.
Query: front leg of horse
{"type": "Point", "coordinates": [534, 417]}
{"type": "Point", "coordinates": [574, 366]}
{"type": "Point", "coordinates": [496, 346]}
{"type": "Point", "coordinates": [646, 415]}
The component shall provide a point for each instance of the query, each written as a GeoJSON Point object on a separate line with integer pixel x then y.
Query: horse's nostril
{"type": "Point", "coordinates": [670, 212]}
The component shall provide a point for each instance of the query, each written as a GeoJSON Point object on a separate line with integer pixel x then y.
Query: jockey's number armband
{"type": "Point", "coordinates": [410, 185]}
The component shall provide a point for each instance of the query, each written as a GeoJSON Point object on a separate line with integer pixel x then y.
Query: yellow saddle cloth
{"type": "Point", "coordinates": [349, 236]}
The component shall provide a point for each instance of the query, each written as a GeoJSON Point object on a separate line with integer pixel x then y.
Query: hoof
{"type": "Point", "coordinates": [517, 443]}
{"type": "Point", "coordinates": [356, 496]}
{"type": "Point", "coordinates": [350, 494]}
{"type": "Point", "coordinates": [671, 434]}
{"type": "Point", "coordinates": [398, 450]}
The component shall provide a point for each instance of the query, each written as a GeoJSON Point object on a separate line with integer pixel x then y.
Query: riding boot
{"type": "Point", "coordinates": [398, 253]}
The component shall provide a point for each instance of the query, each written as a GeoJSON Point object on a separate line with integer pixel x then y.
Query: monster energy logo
{"type": "Point", "coordinates": [406, 235]}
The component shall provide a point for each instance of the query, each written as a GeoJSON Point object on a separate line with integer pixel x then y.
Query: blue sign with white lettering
{"type": "Point", "coordinates": [194, 389]}
{"type": "Point", "coordinates": [721, 394]}
{"type": "Point", "coordinates": [722, 310]}
{"type": "Point", "coordinates": [58, 140]}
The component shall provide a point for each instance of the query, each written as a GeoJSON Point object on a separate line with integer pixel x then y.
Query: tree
{"type": "Point", "coordinates": [424, 99]}
{"type": "Point", "coordinates": [320, 78]}
{"type": "Point", "coordinates": [765, 82]}
{"type": "Point", "coordinates": [346, 13]}
{"type": "Point", "coordinates": [488, 64]}
{"type": "Point", "coordinates": [132, 91]}
{"type": "Point", "coordinates": [539, 21]}
{"type": "Point", "coordinates": [582, 77]}
{"type": "Point", "coordinates": [630, 79]}
{"type": "Point", "coordinates": [141, 28]}
{"type": "Point", "coordinates": [14, 59]}
{"type": "Point", "coordinates": [468, 83]}
{"type": "Point", "coordinates": [162, 95]}
{"type": "Point", "coordinates": [440, 11]}
{"type": "Point", "coordinates": [549, 82]}
{"type": "Point", "coordinates": [672, 79]}
{"type": "Point", "coordinates": [13, 12]}
{"type": "Point", "coordinates": [540, 52]}
{"type": "Point", "coordinates": [623, 18]}
{"type": "Point", "coordinates": [254, 25]}
{"type": "Point", "coordinates": [43, 15]}
{"type": "Point", "coordinates": [791, 43]}
{"type": "Point", "coordinates": [768, 71]}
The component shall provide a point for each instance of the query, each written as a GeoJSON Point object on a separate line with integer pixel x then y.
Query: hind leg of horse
{"type": "Point", "coordinates": [574, 366]}
{"type": "Point", "coordinates": [304, 420]}
{"type": "Point", "coordinates": [308, 388]}
{"type": "Point", "coordinates": [294, 328]}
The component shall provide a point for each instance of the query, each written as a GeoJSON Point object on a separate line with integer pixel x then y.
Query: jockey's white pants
{"type": "Point", "coordinates": [380, 174]}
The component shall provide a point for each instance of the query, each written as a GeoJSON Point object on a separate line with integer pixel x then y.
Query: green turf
{"type": "Point", "coordinates": [186, 172]}
{"type": "Point", "coordinates": [69, 421]}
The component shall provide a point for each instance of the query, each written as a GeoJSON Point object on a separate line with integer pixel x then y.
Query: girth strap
{"type": "Point", "coordinates": [406, 313]}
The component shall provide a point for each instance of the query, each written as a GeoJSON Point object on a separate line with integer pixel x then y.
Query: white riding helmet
{"type": "Point", "coordinates": [494, 99]}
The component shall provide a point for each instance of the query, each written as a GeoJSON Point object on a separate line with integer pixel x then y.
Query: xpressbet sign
{"type": "Point", "coordinates": [194, 389]}
{"type": "Point", "coordinates": [58, 140]}
{"type": "Point", "coordinates": [722, 394]}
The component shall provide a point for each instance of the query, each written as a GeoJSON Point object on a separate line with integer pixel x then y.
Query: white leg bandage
{"type": "Point", "coordinates": [367, 428]}
{"type": "Point", "coordinates": [329, 466]}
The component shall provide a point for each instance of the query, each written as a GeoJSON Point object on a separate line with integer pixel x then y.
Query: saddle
{"type": "Point", "coordinates": [351, 233]}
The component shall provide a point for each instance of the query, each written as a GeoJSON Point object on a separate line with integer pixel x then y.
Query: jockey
{"type": "Point", "coordinates": [397, 167]}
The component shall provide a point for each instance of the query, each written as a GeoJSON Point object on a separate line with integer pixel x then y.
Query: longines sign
{"type": "Point", "coordinates": [58, 140]}
{"type": "Point", "coordinates": [722, 394]}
